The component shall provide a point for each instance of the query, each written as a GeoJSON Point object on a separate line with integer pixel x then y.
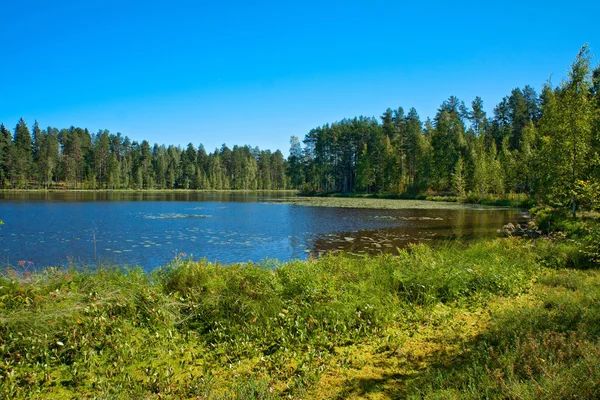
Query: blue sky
{"type": "Point", "coordinates": [258, 72]}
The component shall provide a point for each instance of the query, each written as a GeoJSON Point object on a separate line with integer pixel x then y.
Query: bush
{"type": "Point", "coordinates": [590, 245]}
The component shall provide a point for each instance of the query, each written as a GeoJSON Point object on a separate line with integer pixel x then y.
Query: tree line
{"type": "Point", "coordinates": [74, 158]}
{"type": "Point", "coordinates": [546, 146]}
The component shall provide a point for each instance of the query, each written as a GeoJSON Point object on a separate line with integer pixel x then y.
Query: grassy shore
{"type": "Point", "coordinates": [511, 200]}
{"type": "Point", "coordinates": [382, 203]}
{"type": "Point", "coordinates": [508, 318]}
{"type": "Point", "coordinates": [354, 200]}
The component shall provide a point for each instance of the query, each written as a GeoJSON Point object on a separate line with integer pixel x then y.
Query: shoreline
{"type": "Point", "coordinates": [331, 327]}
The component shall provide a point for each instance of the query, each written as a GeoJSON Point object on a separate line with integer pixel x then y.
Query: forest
{"type": "Point", "coordinates": [74, 158]}
{"type": "Point", "coordinates": [545, 146]}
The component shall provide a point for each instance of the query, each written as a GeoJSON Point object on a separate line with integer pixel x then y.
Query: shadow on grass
{"type": "Point", "coordinates": [390, 385]}
{"type": "Point", "coordinates": [542, 346]}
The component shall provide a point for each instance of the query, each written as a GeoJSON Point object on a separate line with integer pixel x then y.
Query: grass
{"type": "Point", "coordinates": [344, 200]}
{"type": "Point", "coordinates": [511, 200]}
{"type": "Point", "coordinates": [506, 318]}
{"type": "Point", "coordinates": [384, 204]}
{"type": "Point", "coordinates": [542, 345]}
{"type": "Point", "coordinates": [348, 200]}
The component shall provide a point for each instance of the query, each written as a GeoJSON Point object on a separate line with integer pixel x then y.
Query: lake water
{"type": "Point", "coordinates": [150, 229]}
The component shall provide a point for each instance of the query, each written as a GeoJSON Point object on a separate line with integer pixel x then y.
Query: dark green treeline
{"type": "Point", "coordinates": [546, 146]}
{"type": "Point", "coordinates": [76, 159]}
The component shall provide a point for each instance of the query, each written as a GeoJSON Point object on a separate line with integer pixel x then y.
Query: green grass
{"type": "Point", "coordinates": [545, 345]}
{"type": "Point", "coordinates": [511, 200]}
{"type": "Point", "coordinates": [383, 203]}
{"type": "Point", "coordinates": [507, 318]}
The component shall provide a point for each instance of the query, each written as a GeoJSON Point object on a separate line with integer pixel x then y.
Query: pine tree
{"type": "Point", "coordinates": [37, 142]}
{"type": "Point", "coordinates": [48, 156]}
{"type": "Point", "coordinates": [279, 179]}
{"type": "Point", "coordinates": [519, 116]}
{"type": "Point", "coordinates": [365, 176]}
{"type": "Point", "coordinates": [101, 151]}
{"type": "Point", "coordinates": [23, 162]}
{"type": "Point", "coordinates": [477, 115]}
{"type": "Point", "coordinates": [414, 146]}
{"type": "Point", "coordinates": [447, 143]}
{"type": "Point", "coordinates": [7, 158]}
{"type": "Point", "coordinates": [296, 163]}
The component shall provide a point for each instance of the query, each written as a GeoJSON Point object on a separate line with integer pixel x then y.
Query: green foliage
{"type": "Point", "coordinates": [458, 179]}
{"type": "Point", "coordinates": [590, 245]}
{"type": "Point", "coordinates": [566, 128]}
{"type": "Point", "coordinates": [545, 347]}
{"type": "Point", "coordinates": [546, 148]}
{"type": "Point", "coordinates": [365, 176]}
{"type": "Point", "coordinates": [550, 219]}
{"type": "Point", "coordinates": [447, 143]}
{"type": "Point", "coordinates": [126, 334]}
{"type": "Point", "coordinates": [272, 330]}
{"type": "Point", "coordinates": [588, 193]}
{"type": "Point", "coordinates": [428, 277]}
{"type": "Point", "coordinates": [577, 240]}
{"type": "Point", "coordinates": [75, 159]}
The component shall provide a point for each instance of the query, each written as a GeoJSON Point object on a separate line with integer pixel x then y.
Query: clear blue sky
{"type": "Point", "coordinates": [256, 73]}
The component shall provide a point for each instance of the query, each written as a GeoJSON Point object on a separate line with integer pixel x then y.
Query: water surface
{"type": "Point", "coordinates": [150, 228]}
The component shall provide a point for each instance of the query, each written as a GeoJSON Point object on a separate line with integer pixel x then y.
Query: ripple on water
{"type": "Point", "coordinates": [177, 216]}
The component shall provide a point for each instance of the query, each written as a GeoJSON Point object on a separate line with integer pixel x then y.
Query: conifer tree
{"type": "Point", "coordinates": [23, 161]}
{"type": "Point", "coordinates": [7, 158]}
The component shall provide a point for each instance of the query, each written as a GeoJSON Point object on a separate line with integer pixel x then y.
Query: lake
{"type": "Point", "coordinates": [151, 228]}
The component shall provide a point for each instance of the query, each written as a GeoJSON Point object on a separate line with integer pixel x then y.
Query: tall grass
{"type": "Point", "coordinates": [544, 347]}
{"type": "Point", "coordinates": [198, 329]}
